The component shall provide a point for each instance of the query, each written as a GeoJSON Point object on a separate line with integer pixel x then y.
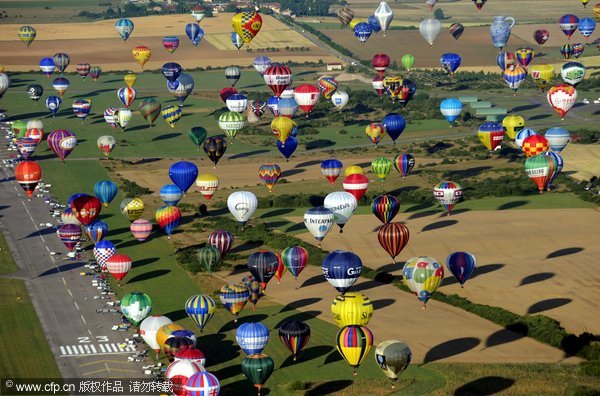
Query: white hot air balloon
{"type": "Point", "coordinates": [319, 221]}
{"type": "Point", "coordinates": [4, 83]}
{"type": "Point", "coordinates": [384, 16]}
{"type": "Point", "coordinates": [242, 205]}
{"type": "Point", "coordinates": [237, 103]}
{"type": "Point", "coordinates": [342, 204]}
{"type": "Point", "coordinates": [150, 326]}
{"type": "Point", "coordinates": [179, 372]}
{"type": "Point", "coordinates": [340, 99]}
{"type": "Point", "coordinates": [123, 116]}
{"type": "Point", "coordinates": [430, 29]}
{"type": "Point", "coordinates": [38, 124]}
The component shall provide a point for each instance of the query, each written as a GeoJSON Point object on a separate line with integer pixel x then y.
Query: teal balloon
{"type": "Point", "coordinates": [106, 191]}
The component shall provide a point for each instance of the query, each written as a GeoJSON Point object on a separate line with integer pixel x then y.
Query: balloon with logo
{"type": "Point", "coordinates": [242, 205]}
{"type": "Point", "coordinates": [247, 25]}
{"type": "Point", "coordinates": [561, 98]}
{"type": "Point", "coordinates": [278, 77]}
{"type": "Point", "coordinates": [215, 147]}
{"type": "Point", "coordinates": [26, 147]}
{"type": "Point", "coordinates": [586, 27]}
{"type": "Point", "coordinates": [132, 208]}
{"type": "Point", "coordinates": [167, 217]}
{"type": "Point", "coordinates": [307, 97]}
{"type": "Point", "coordinates": [542, 75]}
{"type": "Point", "coordinates": [86, 208]}
{"type": "Point", "coordinates": [258, 368]}
{"type": "Point", "coordinates": [269, 174]}
{"type": "Point", "coordinates": [282, 127]}
{"type": "Point", "coordinates": [422, 275]}
{"type": "Point", "coordinates": [342, 269]}
{"type": "Point", "coordinates": [136, 307]}
{"type": "Point", "coordinates": [451, 109]}
{"type": "Point", "coordinates": [194, 32]}
{"type": "Point", "coordinates": [53, 104]}
{"type": "Point", "coordinates": [106, 144]}
{"type": "Point", "coordinates": [35, 92]}
{"type": "Point", "coordinates": [447, 193]}
{"type": "Point", "coordinates": [393, 357]}
{"type": "Point", "coordinates": [124, 27]}
{"type": "Point", "coordinates": [60, 85]}
{"type": "Point", "coordinates": [252, 337]}
{"type": "Point", "coordinates": [375, 132]}
{"type": "Point", "coordinates": [319, 221]}
{"type": "Point", "coordinates": [461, 265]}
{"type": "Point", "coordinates": [572, 73]}
{"type": "Point", "coordinates": [490, 134]}
{"type": "Point", "coordinates": [354, 343]}
{"type": "Point", "coordinates": [352, 309]}
{"type": "Point", "coordinates": [343, 205]}
{"type": "Point", "coordinates": [362, 31]}
{"type": "Point", "coordinates": [450, 62]}
{"type": "Point", "coordinates": [171, 71]}
{"type": "Point", "coordinates": [62, 143]}
{"type": "Point", "coordinates": [540, 169]}
{"type": "Point", "coordinates": [171, 43]}
{"type": "Point", "coordinates": [171, 114]}
{"type": "Point", "coordinates": [340, 99]}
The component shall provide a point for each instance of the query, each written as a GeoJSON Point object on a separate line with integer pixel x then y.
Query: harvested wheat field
{"type": "Point", "coordinates": [582, 161]}
{"type": "Point", "coordinates": [98, 43]}
{"type": "Point", "coordinates": [527, 263]}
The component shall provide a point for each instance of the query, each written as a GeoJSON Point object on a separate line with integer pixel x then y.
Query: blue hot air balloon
{"type": "Point", "coordinates": [559, 165]}
{"type": "Point", "coordinates": [236, 40]}
{"type": "Point", "coordinates": [124, 27]}
{"type": "Point", "coordinates": [331, 169]}
{"type": "Point", "coordinates": [273, 105]}
{"type": "Point", "coordinates": [287, 107]}
{"type": "Point", "coordinates": [61, 60]}
{"type": "Point", "coordinates": [288, 148]}
{"type": "Point", "coordinates": [450, 62]}
{"type": "Point", "coordinates": [586, 27]}
{"type": "Point", "coordinates": [568, 24]}
{"type": "Point", "coordinates": [558, 138]}
{"type": "Point", "coordinates": [106, 191]}
{"type": "Point", "coordinates": [171, 71]}
{"type": "Point", "coordinates": [341, 269]}
{"type": "Point", "coordinates": [200, 308]}
{"type": "Point", "coordinates": [374, 24]}
{"type": "Point", "coordinates": [171, 194]}
{"type": "Point", "coordinates": [362, 31]}
{"type": "Point", "coordinates": [394, 125]}
{"type": "Point", "coordinates": [252, 337]}
{"type": "Point", "coordinates": [183, 174]}
{"type": "Point", "coordinates": [96, 230]}
{"type": "Point", "coordinates": [194, 33]}
{"type": "Point", "coordinates": [451, 109]}
{"type": "Point", "coordinates": [53, 104]}
{"type": "Point", "coordinates": [462, 265]}
{"type": "Point", "coordinates": [182, 87]}
{"type": "Point", "coordinates": [47, 66]}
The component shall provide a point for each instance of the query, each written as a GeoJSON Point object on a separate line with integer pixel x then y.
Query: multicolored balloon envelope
{"type": "Point", "coordinates": [62, 142]}
{"type": "Point", "coordinates": [385, 207]}
{"type": "Point", "coordinates": [86, 208]}
{"type": "Point", "coordinates": [295, 259]}
{"type": "Point", "coordinates": [447, 193]}
{"type": "Point", "coordinates": [222, 240]}
{"type": "Point", "coordinates": [490, 134]}
{"type": "Point", "coordinates": [136, 307]}
{"type": "Point", "coordinates": [234, 297]}
{"type": "Point", "coordinates": [168, 218]}
{"type": "Point", "coordinates": [294, 335]}
{"type": "Point", "coordinates": [404, 163]}
{"type": "Point", "coordinates": [393, 237]}
{"type": "Point", "coordinates": [423, 276]}
{"type": "Point", "coordinates": [354, 343]}
{"type": "Point", "coordinates": [141, 229]}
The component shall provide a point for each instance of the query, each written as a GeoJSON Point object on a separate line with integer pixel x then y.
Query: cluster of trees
{"type": "Point", "coordinates": [132, 189]}
{"type": "Point", "coordinates": [130, 10]}
{"type": "Point", "coordinates": [307, 7]}
{"type": "Point", "coordinates": [320, 35]}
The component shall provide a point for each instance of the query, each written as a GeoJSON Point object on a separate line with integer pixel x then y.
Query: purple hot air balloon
{"type": "Point", "coordinates": [62, 142]}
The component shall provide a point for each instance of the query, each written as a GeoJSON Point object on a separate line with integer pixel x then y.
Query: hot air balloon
{"type": "Point", "coordinates": [522, 135]}
{"type": "Point", "coordinates": [269, 174]}
{"type": "Point", "coordinates": [380, 63]}
{"type": "Point", "coordinates": [53, 104]}
{"type": "Point", "coordinates": [586, 27]}
{"type": "Point", "coordinates": [26, 147]}
{"type": "Point", "coordinates": [561, 98]}
{"type": "Point", "coordinates": [209, 258]}
{"type": "Point", "coordinates": [106, 191]}
{"type": "Point", "coordinates": [261, 64]}
{"type": "Point", "coordinates": [362, 31]}
{"type": "Point", "coordinates": [124, 28]}
{"type": "Point", "coordinates": [130, 79]}
{"type": "Point", "coordinates": [381, 167]}
{"type": "Point", "coordinates": [183, 174]}
{"type": "Point", "coordinates": [331, 169]}
{"type": "Point", "coordinates": [252, 337]}
{"type": "Point", "coordinates": [103, 250]}
{"type": "Point", "coordinates": [171, 114]}
{"type": "Point", "coordinates": [377, 84]}
{"type": "Point", "coordinates": [393, 237]}
{"type": "Point", "coordinates": [174, 344]}
{"type": "Point", "coordinates": [247, 25]}
{"type": "Point", "coordinates": [233, 73]}
{"type": "Point", "coordinates": [541, 36]}
{"type": "Point", "coordinates": [295, 259]}
{"type": "Point", "coordinates": [451, 109]}
{"type": "Point", "coordinates": [354, 343]}
{"type": "Point", "coordinates": [237, 103]}
{"type": "Point", "coordinates": [141, 54]}
{"type": "Point", "coordinates": [123, 116]}
{"type": "Point", "coordinates": [404, 163]}
{"type": "Point", "coordinates": [505, 60]}
{"type": "Point", "coordinates": [384, 15]}
{"type": "Point", "coordinates": [558, 138]}
{"type": "Point", "coordinates": [83, 69]}
{"type": "Point", "coordinates": [282, 127]}
{"type": "Point", "coordinates": [394, 125]}
{"type": "Point", "coordinates": [431, 4]}
{"type": "Point", "coordinates": [61, 60]}
{"type": "Point", "coordinates": [193, 355]}
{"type": "Point", "coordinates": [345, 15]}
{"type": "Point", "coordinates": [234, 297]}
{"type": "Point", "coordinates": [258, 368]}
{"type": "Point", "coordinates": [490, 134]}
{"type": "Point", "coordinates": [456, 30]}
{"type": "Point", "coordinates": [62, 142]}
{"type": "Point", "coordinates": [118, 265]}
{"type": "Point", "coordinates": [578, 49]}
{"type": "Point", "coordinates": [242, 205]}
{"type": "Point", "coordinates": [327, 86]}
{"type": "Point", "coordinates": [60, 85]}
{"type": "Point", "coordinates": [200, 308]}
{"type": "Point", "coordinates": [542, 75]}
{"type": "Point", "coordinates": [150, 109]}
{"type": "Point", "coordinates": [356, 184]}
{"type": "Point", "coordinates": [34, 92]}
{"type": "Point", "coordinates": [47, 66]}
{"type": "Point", "coordinates": [258, 108]}
{"type": "Point", "coordinates": [69, 234]}
{"type": "Point", "coordinates": [110, 117]}
{"type": "Point", "coordinates": [393, 357]}
{"type": "Point", "coordinates": [231, 123]}
{"type": "Point", "coordinates": [461, 265]}
{"type": "Point", "coordinates": [202, 383]}
{"type": "Point", "coordinates": [171, 194]}
{"type": "Point", "coordinates": [287, 107]}
{"type": "Point", "coordinates": [539, 169]}
{"type": "Point", "coordinates": [558, 164]}
{"type": "Point", "coordinates": [514, 77]}
{"type": "Point", "coordinates": [194, 32]}
{"type": "Point", "coordinates": [319, 221]}
{"type": "Point", "coordinates": [181, 88]}
{"type": "Point", "coordinates": [572, 73]}
{"type": "Point", "coordinates": [222, 240]}
{"type": "Point", "coordinates": [340, 99]}
{"type": "Point", "coordinates": [385, 207]}
{"type": "Point", "coordinates": [567, 51]}
{"type": "Point", "coordinates": [215, 147]}
{"type": "Point", "coordinates": [524, 56]}
{"type": "Point", "coordinates": [208, 184]}
{"type": "Point", "coordinates": [263, 265]}
{"type": "Point", "coordinates": [307, 97]}
{"type": "Point", "coordinates": [447, 193]}
{"type": "Point", "coordinates": [132, 208]}
{"type": "Point", "coordinates": [450, 62]}
{"type": "Point", "coordinates": [106, 144]}
{"type": "Point", "coordinates": [430, 29]}
{"type": "Point", "coordinates": [375, 132]}
{"type": "Point", "coordinates": [141, 229]}
{"type": "Point", "coordinates": [422, 275]}
{"type": "Point", "coordinates": [512, 124]}
{"type": "Point", "coordinates": [149, 329]}
{"type": "Point", "coordinates": [81, 108]}
{"type": "Point", "coordinates": [86, 208]}
{"type": "Point", "coordinates": [171, 43]}
{"type": "Point", "coordinates": [568, 23]}
{"type": "Point", "coordinates": [534, 145]}
{"type": "Point", "coordinates": [237, 41]}
{"type": "Point", "coordinates": [342, 204]}
{"type": "Point", "coordinates": [167, 218]}
{"type": "Point", "coordinates": [341, 269]}
{"type": "Point", "coordinates": [500, 30]}
{"type": "Point", "coordinates": [27, 34]}
{"type": "Point", "coordinates": [294, 335]}
{"type": "Point", "coordinates": [352, 309]}
{"type": "Point", "coordinates": [95, 72]}
{"type": "Point", "coordinates": [178, 373]}
{"type": "Point", "coordinates": [278, 77]}
{"type": "Point", "coordinates": [584, 3]}
{"type": "Point", "coordinates": [353, 170]}
{"type": "Point", "coordinates": [197, 135]}
{"type": "Point", "coordinates": [136, 307]}
{"type": "Point", "coordinates": [479, 4]}
{"type": "Point", "coordinates": [171, 71]}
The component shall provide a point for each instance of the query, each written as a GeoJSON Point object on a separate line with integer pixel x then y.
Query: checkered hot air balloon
{"type": "Point", "coordinates": [534, 145]}
{"type": "Point", "coordinates": [103, 250]}
{"type": "Point", "coordinates": [247, 25]}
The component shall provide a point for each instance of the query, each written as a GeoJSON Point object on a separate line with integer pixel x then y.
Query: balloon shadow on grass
{"type": "Point", "coordinates": [231, 325]}
{"type": "Point", "coordinates": [450, 348]}
{"type": "Point", "coordinates": [539, 277]}
{"type": "Point", "coordinates": [512, 205]}
{"type": "Point", "coordinates": [485, 386]}
{"type": "Point", "coordinates": [228, 372]}
{"type": "Point", "coordinates": [301, 316]}
{"type": "Point", "coordinates": [564, 252]}
{"type": "Point", "coordinates": [307, 354]}
{"type": "Point", "coordinates": [502, 336]}
{"type": "Point", "coordinates": [397, 266]}
{"type": "Point", "coordinates": [548, 304]}
{"type": "Point", "coordinates": [438, 225]}
{"type": "Point", "coordinates": [276, 212]}
{"type": "Point", "coordinates": [328, 388]}
{"type": "Point", "coordinates": [299, 304]}
{"type": "Point", "coordinates": [307, 163]}
{"type": "Point", "coordinates": [314, 280]}
{"type": "Point", "coordinates": [296, 227]}
{"type": "Point", "coordinates": [217, 349]}
{"type": "Point", "coordinates": [149, 275]}
{"type": "Point", "coordinates": [177, 315]}
{"type": "Point", "coordinates": [248, 245]}
{"type": "Point", "coordinates": [332, 358]}
{"type": "Point", "coordinates": [524, 108]}
{"type": "Point", "coordinates": [166, 136]}
{"type": "Point", "coordinates": [247, 154]}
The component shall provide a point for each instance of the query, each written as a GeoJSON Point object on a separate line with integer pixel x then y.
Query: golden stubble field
{"type": "Point", "coordinates": [98, 43]}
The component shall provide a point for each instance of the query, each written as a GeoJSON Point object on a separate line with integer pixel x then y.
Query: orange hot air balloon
{"type": "Point", "coordinates": [534, 145]}
{"type": "Point", "coordinates": [141, 54]}
{"type": "Point", "coordinates": [28, 174]}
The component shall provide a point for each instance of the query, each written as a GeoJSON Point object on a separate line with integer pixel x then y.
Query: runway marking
{"type": "Point", "coordinates": [93, 350]}
{"type": "Point", "coordinates": [103, 361]}
{"type": "Point", "coordinates": [76, 306]}
{"type": "Point", "coordinates": [82, 318]}
{"type": "Point", "coordinates": [70, 294]}
{"type": "Point", "coordinates": [64, 282]}
{"type": "Point", "coordinates": [90, 331]}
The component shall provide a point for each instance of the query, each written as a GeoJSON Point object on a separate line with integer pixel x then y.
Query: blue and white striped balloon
{"type": "Point", "coordinates": [252, 337]}
{"type": "Point", "coordinates": [558, 138]}
{"type": "Point", "coordinates": [523, 134]}
{"type": "Point", "coordinates": [171, 194]}
{"type": "Point", "coordinates": [451, 109]}
{"type": "Point", "coordinates": [559, 166]}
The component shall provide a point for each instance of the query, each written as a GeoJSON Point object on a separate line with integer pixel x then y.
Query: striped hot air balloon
{"type": "Point", "coordinates": [124, 27]}
{"type": "Point", "coordinates": [69, 234]}
{"type": "Point", "coordinates": [106, 191]}
{"type": "Point", "coordinates": [83, 69]}
{"type": "Point", "coordinates": [171, 43]}
{"type": "Point", "coordinates": [202, 384]}
{"type": "Point", "coordinates": [331, 169]}
{"type": "Point", "coordinates": [141, 229]}
{"type": "Point", "coordinates": [404, 163]}
{"type": "Point", "coordinates": [95, 72]}
{"type": "Point", "coordinates": [171, 114]}
{"type": "Point", "coordinates": [451, 109]}
{"type": "Point", "coordinates": [447, 193]}
{"type": "Point", "coordinates": [208, 184]}
{"type": "Point", "coordinates": [168, 218]}
{"type": "Point", "coordinates": [278, 77]}
{"type": "Point", "coordinates": [514, 77]}
{"type": "Point", "coordinates": [118, 265]}
{"type": "Point", "coordinates": [222, 240]}
{"type": "Point", "coordinates": [381, 167]}
{"type": "Point", "coordinates": [522, 135]}
{"type": "Point", "coordinates": [491, 134]}
{"type": "Point", "coordinates": [62, 142]}
{"type": "Point", "coordinates": [81, 108]}
{"type": "Point", "coordinates": [307, 97]}
{"type": "Point", "coordinates": [385, 207]}
{"type": "Point", "coordinates": [539, 168]}
{"type": "Point", "coordinates": [393, 237]}
{"type": "Point", "coordinates": [352, 309]}
{"type": "Point", "coordinates": [269, 174]}
{"type": "Point", "coordinates": [232, 122]}
{"type": "Point", "coordinates": [234, 297]}
{"type": "Point", "coordinates": [295, 259]}
{"type": "Point", "coordinates": [354, 343]}
{"type": "Point", "coordinates": [252, 337]}
{"type": "Point", "coordinates": [294, 335]}
{"type": "Point", "coordinates": [27, 34]}
{"type": "Point", "coordinates": [200, 308]}
{"type": "Point", "coordinates": [356, 184]}
{"type": "Point", "coordinates": [209, 257]}
{"type": "Point", "coordinates": [171, 194]}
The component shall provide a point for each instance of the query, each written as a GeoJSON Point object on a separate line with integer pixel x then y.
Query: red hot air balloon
{"type": "Point", "coordinates": [380, 63]}
{"type": "Point", "coordinates": [307, 97]}
{"type": "Point", "coordinates": [393, 237]}
{"type": "Point", "coordinates": [356, 185]}
{"type": "Point", "coordinates": [86, 209]}
{"type": "Point", "coordinates": [28, 174]}
{"type": "Point", "coordinates": [118, 265]}
{"type": "Point", "coordinates": [541, 36]}
{"type": "Point", "coordinates": [226, 92]}
{"type": "Point", "coordinates": [278, 77]}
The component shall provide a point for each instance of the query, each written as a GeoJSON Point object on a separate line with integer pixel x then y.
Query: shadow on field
{"type": "Point", "coordinates": [166, 136]}
{"type": "Point", "coordinates": [502, 336]}
{"type": "Point", "coordinates": [328, 388]}
{"type": "Point", "coordinates": [463, 173]}
{"type": "Point", "coordinates": [248, 154]}
{"type": "Point", "coordinates": [43, 231]}
{"type": "Point", "coordinates": [146, 261]}
{"type": "Point", "coordinates": [228, 372]}
{"type": "Point", "coordinates": [319, 143]}
{"type": "Point", "coordinates": [248, 245]}
{"type": "Point", "coordinates": [291, 172]}
{"type": "Point", "coordinates": [439, 224]}
{"type": "Point", "coordinates": [308, 354]}
{"type": "Point", "coordinates": [149, 275]}
{"type": "Point", "coordinates": [90, 94]}
{"type": "Point", "coordinates": [425, 213]}
{"type": "Point", "coordinates": [450, 348]}
{"type": "Point", "coordinates": [382, 303]}
{"type": "Point", "coordinates": [62, 268]}
{"type": "Point", "coordinates": [137, 128]}
{"type": "Point", "coordinates": [397, 266]}
{"type": "Point", "coordinates": [218, 349]}
{"type": "Point", "coordinates": [299, 304]}
{"type": "Point", "coordinates": [564, 252]}
{"type": "Point", "coordinates": [296, 227]}
{"type": "Point", "coordinates": [539, 277]}
{"type": "Point", "coordinates": [2, 207]}
{"type": "Point", "coordinates": [485, 386]}
{"type": "Point", "coordinates": [276, 224]}
{"type": "Point", "coordinates": [524, 108]}
{"type": "Point", "coordinates": [548, 304]}
{"type": "Point", "coordinates": [276, 212]}
{"type": "Point", "coordinates": [331, 358]}
{"type": "Point", "coordinates": [315, 280]}
{"type": "Point", "coordinates": [177, 315]}
{"type": "Point", "coordinates": [30, 115]}
{"type": "Point", "coordinates": [455, 212]}
{"type": "Point", "coordinates": [512, 205]}
{"type": "Point", "coordinates": [539, 117]}
{"type": "Point", "coordinates": [307, 163]}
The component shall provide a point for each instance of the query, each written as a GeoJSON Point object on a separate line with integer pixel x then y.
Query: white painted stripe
{"type": "Point", "coordinates": [93, 348]}
{"type": "Point", "coordinates": [63, 351]}
{"type": "Point", "coordinates": [65, 283]}
{"type": "Point", "coordinates": [82, 318]}
{"type": "Point", "coordinates": [87, 348]}
{"type": "Point", "coordinates": [76, 306]}
{"type": "Point", "coordinates": [81, 350]}
{"type": "Point", "coordinates": [102, 348]}
{"type": "Point", "coordinates": [114, 347]}
{"type": "Point", "coordinates": [69, 350]}
{"type": "Point", "coordinates": [70, 294]}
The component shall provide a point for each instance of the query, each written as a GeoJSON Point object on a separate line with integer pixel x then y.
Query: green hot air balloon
{"type": "Point", "coordinates": [150, 109]}
{"type": "Point", "coordinates": [408, 61]}
{"type": "Point", "coordinates": [381, 167]}
{"type": "Point", "coordinates": [19, 128]}
{"type": "Point", "coordinates": [231, 123]}
{"type": "Point", "coordinates": [198, 136]}
{"type": "Point", "coordinates": [136, 307]}
{"type": "Point", "coordinates": [210, 258]}
{"type": "Point", "coordinates": [258, 368]}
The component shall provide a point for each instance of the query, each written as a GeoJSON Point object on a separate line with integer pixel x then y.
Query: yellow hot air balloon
{"type": "Point", "coordinates": [132, 208]}
{"type": "Point", "coordinates": [354, 170]}
{"type": "Point", "coordinates": [355, 21]}
{"type": "Point", "coordinates": [208, 184]}
{"type": "Point", "coordinates": [542, 75]}
{"type": "Point", "coordinates": [247, 25]}
{"type": "Point", "coordinates": [27, 34]}
{"type": "Point", "coordinates": [354, 343]}
{"type": "Point", "coordinates": [513, 124]}
{"type": "Point", "coordinates": [141, 54]}
{"type": "Point", "coordinates": [352, 309]}
{"type": "Point", "coordinates": [1, 68]}
{"type": "Point", "coordinates": [130, 79]}
{"type": "Point", "coordinates": [282, 127]}
{"type": "Point", "coordinates": [165, 331]}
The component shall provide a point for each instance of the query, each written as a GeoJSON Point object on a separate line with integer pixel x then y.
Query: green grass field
{"type": "Point", "coordinates": [7, 263]}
